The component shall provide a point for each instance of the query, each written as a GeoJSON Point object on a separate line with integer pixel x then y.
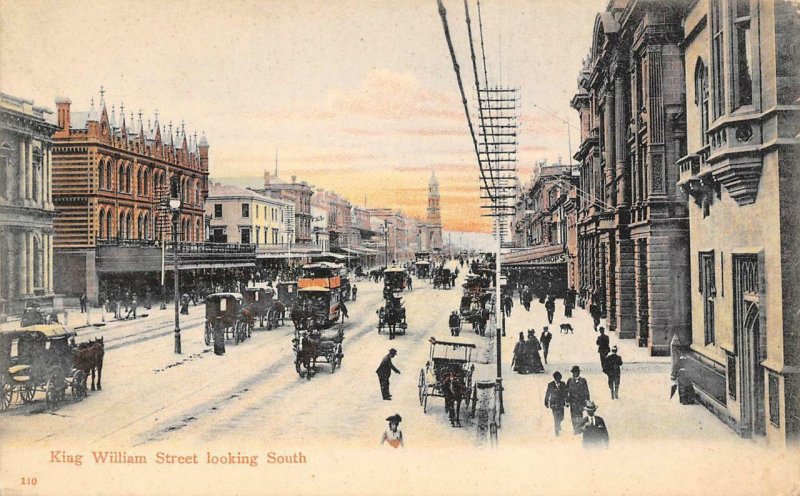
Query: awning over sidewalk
{"type": "Point", "coordinates": [535, 256]}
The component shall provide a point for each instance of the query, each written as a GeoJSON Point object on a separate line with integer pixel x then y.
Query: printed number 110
{"type": "Point", "coordinates": [29, 481]}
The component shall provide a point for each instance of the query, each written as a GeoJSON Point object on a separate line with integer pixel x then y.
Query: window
{"type": "Point", "coordinates": [217, 210]}
{"type": "Point", "coordinates": [774, 400]}
{"type": "Point", "coordinates": [257, 213]}
{"type": "Point", "coordinates": [275, 236]}
{"type": "Point", "coordinates": [102, 224]}
{"type": "Point", "coordinates": [101, 183]}
{"type": "Point", "coordinates": [743, 63]}
{"type": "Point", "coordinates": [701, 98]}
{"type": "Point", "coordinates": [258, 231]}
{"type": "Point", "coordinates": [246, 236]}
{"type": "Point", "coordinates": [245, 210]}
{"type": "Point", "coordinates": [717, 65]}
{"type": "Point", "coordinates": [709, 291]}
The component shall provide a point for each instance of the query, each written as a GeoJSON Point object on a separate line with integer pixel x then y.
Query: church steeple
{"type": "Point", "coordinates": [434, 219]}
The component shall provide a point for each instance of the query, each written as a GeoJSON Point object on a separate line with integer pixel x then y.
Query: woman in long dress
{"type": "Point", "coordinates": [520, 362]}
{"type": "Point", "coordinates": [393, 436]}
{"type": "Point", "coordinates": [533, 347]}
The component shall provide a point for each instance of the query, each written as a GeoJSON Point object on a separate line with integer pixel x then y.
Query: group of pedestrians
{"type": "Point", "coordinates": [574, 394]}
{"type": "Point", "coordinates": [526, 358]}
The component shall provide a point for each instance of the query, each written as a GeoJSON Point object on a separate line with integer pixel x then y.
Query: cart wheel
{"type": "Point", "coordinates": [425, 403]}
{"type": "Point", "coordinates": [26, 393]}
{"type": "Point", "coordinates": [54, 390]}
{"type": "Point", "coordinates": [79, 385]}
{"type": "Point", "coordinates": [208, 334]}
{"type": "Point", "coordinates": [421, 384]}
{"type": "Point", "coordinates": [7, 392]}
{"type": "Point", "coordinates": [332, 359]}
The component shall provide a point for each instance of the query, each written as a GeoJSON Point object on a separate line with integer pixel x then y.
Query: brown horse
{"type": "Point", "coordinates": [88, 357]}
{"type": "Point", "coordinates": [453, 390]}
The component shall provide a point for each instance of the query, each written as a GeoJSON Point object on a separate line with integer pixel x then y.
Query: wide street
{"type": "Point", "coordinates": [254, 390]}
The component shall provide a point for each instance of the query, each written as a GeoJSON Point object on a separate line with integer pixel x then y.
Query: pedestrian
{"type": "Point", "coordinates": [409, 283]}
{"type": "Point", "coordinates": [613, 370]}
{"type": "Point", "coordinates": [343, 309]}
{"type": "Point", "coordinates": [82, 301]}
{"type": "Point", "coordinates": [393, 435]}
{"type": "Point", "coordinates": [603, 348]}
{"type": "Point", "coordinates": [554, 399]}
{"type": "Point", "coordinates": [508, 304]}
{"type": "Point", "coordinates": [455, 323]}
{"type": "Point", "coordinates": [484, 320]}
{"type": "Point", "coordinates": [594, 311]}
{"type": "Point", "coordinates": [550, 306]}
{"type": "Point", "coordinates": [519, 361]}
{"type": "Point", "coordinates": [219, 339]}
{"type": "Point", "coordinates": [545, 340]}
{"type": "Point", "coordinates": [569, 301]}
{"type": "Point", "coordinates": [384, 371]}
{"type": "Point", "coordinates": [355, 292]}
{"type": "Point", "coordinates": [577, 396]}
{"type": "Point", "coordinates": [185, 304]}
{"type": "Point", "coordinates": [593, 428]}
{"type": "Point", "coordinates": [533, 348]}
{"type": "Point", "coordinates": [133, 307]}
{"type": "Point", "coordinates": [526, 298]}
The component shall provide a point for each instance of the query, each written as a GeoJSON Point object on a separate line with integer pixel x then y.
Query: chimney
{"type": "Point", "coordinates": [266, 179]}
{"type": "Point", "coordinates": [62, 106]}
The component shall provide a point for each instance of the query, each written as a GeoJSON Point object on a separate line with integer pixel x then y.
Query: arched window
{"type": "Point", "coordinates": [146, 228]}
{"type": "Point", "coordinates": [38, 253]}
{"type": "Point", "coordinates": [101, 225]}
{"type": "Point", "coordinates": [109, 224]}
{"type": "Point", "coordinates": [129, 179]}
{"type": "Point", "coordinates": [121, 177]}
{"type": "Point", "coordinates": [701, 98]}
{"type": "Point", "coordinates": [198, 231]}
{"type": "Point", "coordinates": [121, 225]}
{"type": "Point", "coordinates": [109, 176]}
{"type": "Point", "coordinates": [146, 179]}
{"type": "Point", "coordinates": [128, 226]}
{"type": "Point", "coordinates": [101, 179]}
{"type": "Point", "coordinates": [6, 175]}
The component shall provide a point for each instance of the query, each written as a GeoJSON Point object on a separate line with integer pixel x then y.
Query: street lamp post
{"type": "Point", "coordinates": [386, 243]}
{"type": "Point", "coordinates": [175, 206]}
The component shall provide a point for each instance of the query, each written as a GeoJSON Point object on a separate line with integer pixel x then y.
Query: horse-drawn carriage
{"type": "Point", "coordinates": [392, 316]}
{"type": "Point", "coordinates": [260, 301]}
{"type": "Point", "coordinates": [442, 279]}
{"type": "Point", "coordinates": [226, 317]}
{"type": "Point", "coordinates": [423, 268]}
{"type": "Point", "coordinates": [448, 375]}
{"type": "Point", "coordinates": [286, 292]}
{"type": "Point", "coordinates": [316, 306]}
{"type": "Point", "coordinates": [310, 345]}
{"type": "Point", "coordinates": [394, 279]}
{"type": "Point", "coordinates": [41, 358]}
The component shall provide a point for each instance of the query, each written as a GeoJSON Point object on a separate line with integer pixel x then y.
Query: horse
{"type": "Point", "coordinates": [279, 313]}
{"type": "Point", "coordinates": [453, 390]}
{"type": "Point", "coordinates": [307, 347]}
{"type": "Point", "coordinates": [298, 317]}
{"type": "Point", "coordinates": [88, 357]}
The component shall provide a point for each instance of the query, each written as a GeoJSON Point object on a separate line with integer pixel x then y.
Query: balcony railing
{"type": "Point", "coordinates": [183, 246]}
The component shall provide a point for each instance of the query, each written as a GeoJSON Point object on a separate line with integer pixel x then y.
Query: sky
{"type": "Point", "coordinates": [356, 97]}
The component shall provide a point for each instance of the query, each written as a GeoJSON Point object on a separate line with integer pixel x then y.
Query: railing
{"type": "Point", "coordinates": [183, 246]}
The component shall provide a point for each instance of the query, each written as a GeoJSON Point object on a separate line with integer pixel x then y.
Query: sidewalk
{"type": "Point", "coordinates": [644, 410]}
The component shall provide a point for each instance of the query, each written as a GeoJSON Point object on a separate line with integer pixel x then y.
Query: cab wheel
{"type": "Point", "coordinates": [26, 393]}
{"type": "Point", "coordinates": [6, 392]}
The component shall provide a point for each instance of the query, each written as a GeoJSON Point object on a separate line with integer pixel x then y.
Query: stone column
{"type": "Point", "coordinates": [49, 176]}
{"type": "Point", "coordinates": [31, 259]}
{"type": "Point", "coordinates": [610, 145]}
{"type": "Point", "coordinates": [620, 139]}
{"type": "Point", "coordinates": [29, 171]}
{"type": "Point", "coordinates": [22, 173]}
{"type": "Point", "coordinates": [50, 263]}
{"type": "Point", "coordinates": [23, 261]}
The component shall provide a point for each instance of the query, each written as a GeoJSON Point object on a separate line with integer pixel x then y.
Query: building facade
{"type": "Point", "coordinates": [26, 207]}
{"type": "Point", "coordinates": [300, 194]}
{"type": "Point", "coordinates": [742, 80]}
{"type": "Point", "coordinates": [632, 220]}
{"type": "Point", "coordinates": [111, 180]}
{"type": "Point", "coordinates": [431, 232]}
{"type": "Point", "coordinates": [240, 215]}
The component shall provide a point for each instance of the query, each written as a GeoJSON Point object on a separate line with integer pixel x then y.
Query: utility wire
{"type": "Point", "coordinates": [443, 15]}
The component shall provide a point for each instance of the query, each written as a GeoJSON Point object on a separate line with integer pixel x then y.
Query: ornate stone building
{"type": "Point", "coordinates": [632, 218]}
{"type": "Point", "coordinates": [110, 180]}
{"type": "Point", "coordinates": [26, 208]}
{"type": "Point", "coordinates": [740, 168]}
{"type": "Point", "coordinates": [300, 194]}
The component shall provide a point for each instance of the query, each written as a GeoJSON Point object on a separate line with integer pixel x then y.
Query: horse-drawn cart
{"type": "Point", "coordinates": [39, 358]}
{"type": "Point", "coordinates": [392, 317]}
{"type": "Point", "coordinates": [448, 375]}
{"type": "Point", "coordinates": [225, 317]}
{"type": "Point", "coordinates": [309, 346]}
{"type": "Point", "coordinates": [259, 301]}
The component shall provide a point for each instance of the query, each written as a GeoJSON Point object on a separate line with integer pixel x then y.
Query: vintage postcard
{"type": "Point", "coordinates": [399, 247]}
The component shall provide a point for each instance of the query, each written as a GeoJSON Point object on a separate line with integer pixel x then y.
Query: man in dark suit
{"type": "Point", "coordinates": [545, 340]}
{"type": "Point", "coordinates": [577, 396]}
{"type": "Point", "coordinates": [614, 371]}
{"type": "Point", "coordinates": [554, 399]}
{"type": "Point", "coordinates": [603, 347]}
{"type": "Point", "coordinates": [384, 371]}
{"type": "Point", "coordinates": [595, 433]}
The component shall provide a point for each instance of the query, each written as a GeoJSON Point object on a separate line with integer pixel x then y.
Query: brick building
{"type": "Point", "coordinates": [110, 180]}
{"type": "Point", "coordinates": [300, 194]}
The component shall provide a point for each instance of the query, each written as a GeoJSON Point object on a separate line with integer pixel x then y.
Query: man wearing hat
{"type": "Point", "coordinates": [595, 433]}
{"type": "Point", "coordinates": [545, 340]}
{"type": "Point", "coordinates": [603, 347]}
{"type": "Point", "coordinates": [577, 396]}
{"type": "Point", "coordinates": [384, 371]}
{"type": "Point", "coordinates": [613, 368]}
{"type": "Point", "coordinates": [555, 398]}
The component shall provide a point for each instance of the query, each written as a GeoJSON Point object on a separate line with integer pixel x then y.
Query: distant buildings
{"type": "Point", "coordinates": [240, 215]}
{"type": "Point", "coordinates": [26, 208]}
{"type": "Point", "coordinates": [300, 194]}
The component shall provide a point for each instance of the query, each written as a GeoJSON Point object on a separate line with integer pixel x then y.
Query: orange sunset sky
{"type": "Point", "coordinates": [357, 96]}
